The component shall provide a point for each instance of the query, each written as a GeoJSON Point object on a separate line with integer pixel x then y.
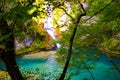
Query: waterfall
{"type": "Point", "coordinates": [48, 26]}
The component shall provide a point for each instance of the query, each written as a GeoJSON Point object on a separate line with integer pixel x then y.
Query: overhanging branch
{"type": "Point", "coordinates": [99, 11]}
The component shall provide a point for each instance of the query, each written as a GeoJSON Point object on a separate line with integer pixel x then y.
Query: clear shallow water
{"type": "Point", "coordinates": [49, 69]}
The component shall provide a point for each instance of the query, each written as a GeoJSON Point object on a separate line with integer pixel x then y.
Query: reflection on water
{"type": "Point", "coordinates": [50, 69]}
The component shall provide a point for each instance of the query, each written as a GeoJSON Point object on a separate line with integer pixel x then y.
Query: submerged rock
{"type": "Point", "coordinates": [4, 75]}
{"type": "Point", "coordinates": [33, 76]}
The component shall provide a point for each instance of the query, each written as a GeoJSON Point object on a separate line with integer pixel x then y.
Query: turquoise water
{"type": "Point", "coordinates": [49, 69]}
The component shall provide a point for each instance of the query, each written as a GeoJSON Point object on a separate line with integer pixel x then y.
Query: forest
{"type": "Point", "coordinates": [59, 39]}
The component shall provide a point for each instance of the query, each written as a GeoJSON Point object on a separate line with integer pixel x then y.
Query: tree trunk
{"type": "Point", "coordinates": [69, 55]}
{"type": "Point", "coordinates": [8, 55]}
{"type": "Point", "coordinates": [76, 22]}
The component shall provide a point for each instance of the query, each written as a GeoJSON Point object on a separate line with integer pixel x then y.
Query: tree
{"type": "Point", "coordinates": [92, 29]}
{"type": "Point", "coordinates": [8, 55]}
{"type": "Point", "coordinates": [94, 37]}
{"type": "Point", "coordinates": [13, 14]}
{"type": "Point", "coordinates": [76, 22]}
{"type": "Point", "coordinates": [105, 29]}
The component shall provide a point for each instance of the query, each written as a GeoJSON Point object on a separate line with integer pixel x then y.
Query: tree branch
{"type": "Point", "coordinates": [105, 51]}
{"type": "Point", "coordinates": [114, 64]}
{"type": "Point", "coordinates": [71, 41]}
{"type": "Point", "coordinates": [82, 14]}
{"type": "Point", "coordinates": [67, 14]}
{"type": "Point", "coordinates": [87, 66]}
{"type": "Point", "coordinates": [99, 11]}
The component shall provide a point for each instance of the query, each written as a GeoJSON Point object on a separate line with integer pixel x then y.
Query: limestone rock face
{"type": "Point", "coordinates": [18, 45]}
{"type": "Point", "coordinates": [118, 35]}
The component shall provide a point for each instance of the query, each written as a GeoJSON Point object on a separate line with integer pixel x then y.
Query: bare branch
{"type": "Point", "coordinates": [67, 13]}
{"type": "Point", "coordinates": [81, 14]}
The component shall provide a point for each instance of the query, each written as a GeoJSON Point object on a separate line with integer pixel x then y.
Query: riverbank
{"type": "Point", "coordinates": [38, 54]}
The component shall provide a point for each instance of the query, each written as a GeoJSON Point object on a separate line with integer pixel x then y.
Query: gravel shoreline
{"type": "Point", "coordinates": [39, 54]}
